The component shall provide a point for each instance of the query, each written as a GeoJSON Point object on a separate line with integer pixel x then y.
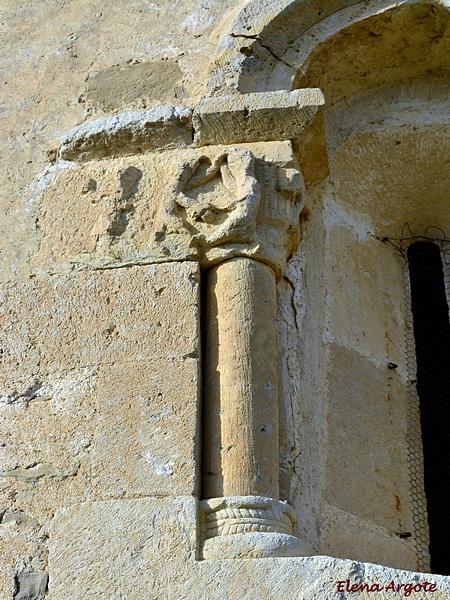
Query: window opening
{"type": "Point", "coordinates": [432, 340]}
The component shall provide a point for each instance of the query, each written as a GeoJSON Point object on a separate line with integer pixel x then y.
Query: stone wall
{"type": "Point", "coordinates": [145, 143]}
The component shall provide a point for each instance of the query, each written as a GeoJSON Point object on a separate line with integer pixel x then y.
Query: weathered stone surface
{"type": "Point", "coordinates": [90, 318]}
{"type": "Point", "coordinates": [254, 545]}
{"type": "Point", "coordinates": [51, 50]}
{"type": "Point", "coordinates": [374, 543]}
{"type": "Point", "coordinates": [145, 439]}
{"type": "Point", "coordinates": [119, 86]}
{"type": "Point", "coordinates": [34, 473]}
{"type": "Point", "coordinates": [353, 52]}
{"type": "Point", "coordinates": [377, 397]}
{"type": "Point", "coordinates": [255, 117]}
{"type": "Point", "coordinates": [376, 160]}
{"type": "Point", "coordinates": [77, 426]}
{"type": "Point", "coordinates": [121, 549]}
{"type": "Point", "coordinates": [311, 151]}
{"type": "Point", "coordinates": [22, 550]}
{"type": "Point", "coordinates": [241, 398]}
{"type": "Point", "coordinates": [146, 548]}
{"type": "Point", "coordinates": [17, 517]}
{"type": "Point", "coordinates": [243, 527]}
{"type": "Point", "coordinates": [128, 133]}
{"type": "Point", "coordinates": [205, 205]}
{"type": "Point", "coordinates": [279, 44]}
{"type": "Point", "coordinates": [31, 586]}
{"type": "Point", "coordinates": [377, 156]}
{"type": "Point", "coordinates": [46, 440]}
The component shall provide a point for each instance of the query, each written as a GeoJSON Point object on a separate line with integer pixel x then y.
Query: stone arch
{"type": "Point", "coordinates": [268, 44]}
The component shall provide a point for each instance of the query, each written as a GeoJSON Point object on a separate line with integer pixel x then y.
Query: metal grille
{"type": "Point", "coordinates": [420, 539]}
{"type": "Point", "coordinates": [432, 342]}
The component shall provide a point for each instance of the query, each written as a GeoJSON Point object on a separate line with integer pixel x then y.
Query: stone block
{"type": "Point", "coordinates": [367, 424]}
{"type": "Point", "coordinates": [128, 133]}
{"type": "Point", "coordinates": [45, 461]}
{"type": "Point", "coordinates": [342, 531]}
{"type": "Point", "coordinates": [123, 211]}
{"type": "Point", "coordinates": [126, 85]}
{"type": "Point", "coordinates": [22, 550]}
{"type": "Point", "coordinates": [121, 549]}
{"type": "Point", "coordinates": [311, 151]}
{"type": "Point", "coordinates": [146, 548]}
{"type": "Point", "coordinates": [145, 439]}
{"type": "Point", "coordinates": [368, 308]}
{"type": "Point", "coordinates": [256, 117]}
{"type": "Point", "coordinates": [81, 421]}
{"type": "Point", "coordinates": [376, 172]}
{"type": "Point", "coordinates": [87, 318]}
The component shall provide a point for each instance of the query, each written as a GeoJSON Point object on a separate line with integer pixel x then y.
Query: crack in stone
{"type": "Point", "coordinates": [294, 308]}
{"type": "Point", "coordinates": [257, 39]}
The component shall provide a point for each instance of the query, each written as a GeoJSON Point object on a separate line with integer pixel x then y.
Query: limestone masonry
{"type": "Point", "coordinates": [208, 368]}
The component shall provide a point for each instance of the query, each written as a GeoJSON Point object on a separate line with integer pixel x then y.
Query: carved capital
{"type": "Point", "coordinates": [235, 204]}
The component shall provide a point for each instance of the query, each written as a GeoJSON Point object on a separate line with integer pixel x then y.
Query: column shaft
{"type": "Point", "coordinates": [240, 400]}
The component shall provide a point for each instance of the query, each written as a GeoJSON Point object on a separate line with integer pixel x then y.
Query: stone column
{"type": "Point", "coordinates": [242, 515]}
{"type": "Point", "coordinates": [238, 213]}
{"type": "Point", "coordinates": [240, 398]}
{"type": "Point", "coordinates": [233, 205]}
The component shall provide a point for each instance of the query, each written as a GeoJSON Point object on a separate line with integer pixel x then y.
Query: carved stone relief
{"type": "Point", "coordinates": [235, 204]}
{"type": "Point", "coordinates": [218, 201]}
{"type": "Point", "coordinates": [116, 212]}
{"type": "Point", "coordinates": [205, 205]}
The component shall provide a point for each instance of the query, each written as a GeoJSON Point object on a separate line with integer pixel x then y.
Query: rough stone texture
{"type": "Point", "coordinates": [22, 550]}
{"type": "Point", "coordinates": [146, 548]}
{"type": "Point", "coordinates": [31, 586]}
{"type": "Point", "coordinates": [255, 117]}
{"type": "Point", "coordinates": [128, 133]}
{"type": "Point", "coordinates": [144, 442]}
{"type": "Point", "coordinates": [377, 160]}
{"type": "Point", "coordinates": [121, 549]}
{"type": "Point", "coordinates": [338, 47]}
{"type": "Point", "coordinates": [372, 39]}
{"type": "Point", "coordinates": [88, 407]}
{"type": "Point", "coordinates": [379, 460]}
{"type": "Point", "coordinates": [311, 151]}
{"type": "Point", "coordinates": [207, 205]}
{"type": "Point", "coordinates": [49, 51]}
{"type": "Point", "coordinates": [389, 179]}
{"type": "Point", "coordinates": [148, 82]}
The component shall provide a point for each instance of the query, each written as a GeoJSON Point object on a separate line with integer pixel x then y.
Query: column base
{"type": "Point", "coordinates": [248, 527]}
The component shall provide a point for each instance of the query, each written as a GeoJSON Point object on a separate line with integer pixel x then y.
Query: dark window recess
{"type": "Point", "coordinates": [432, 337]}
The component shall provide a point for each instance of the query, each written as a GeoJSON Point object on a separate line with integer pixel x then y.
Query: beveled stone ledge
{"type": "Point", "coordinates": [265, 116]}
{"type": "Point", "coordinates": [128, 133]}
{"type": "Point", "coordinates": [247, 118]}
